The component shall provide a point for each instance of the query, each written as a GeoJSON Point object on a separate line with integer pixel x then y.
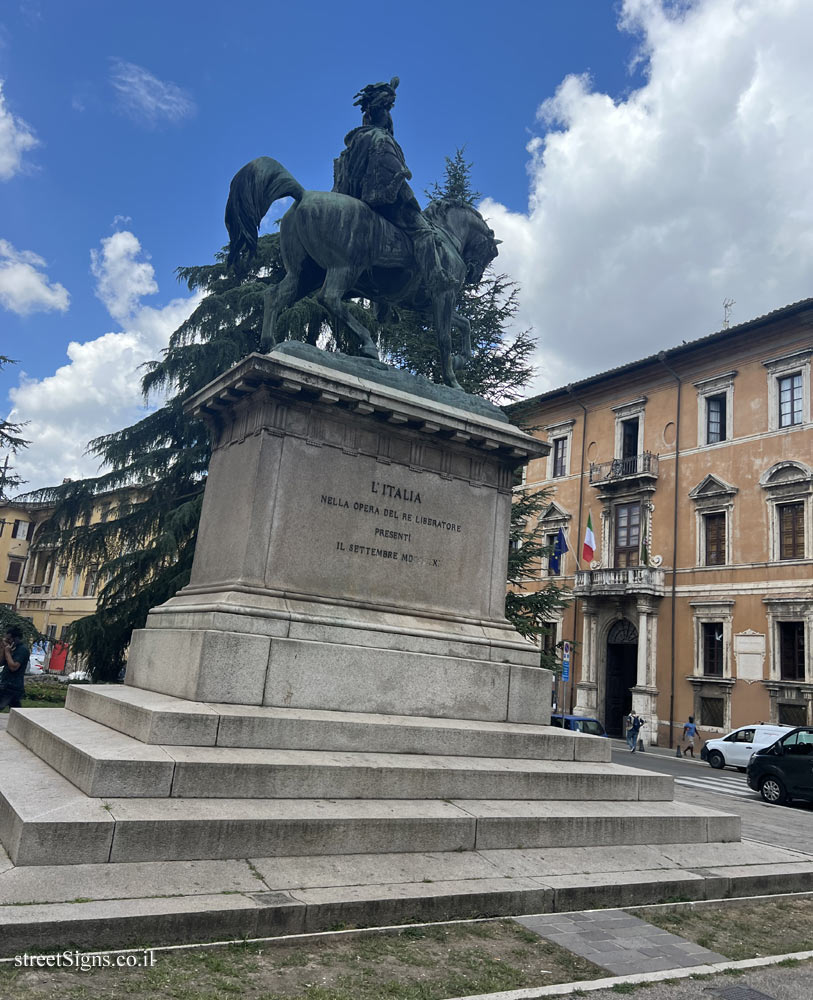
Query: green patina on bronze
{"type": "Point", "coordinates": [366, 238]}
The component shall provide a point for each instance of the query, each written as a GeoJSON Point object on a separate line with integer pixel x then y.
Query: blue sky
{"type": "Point", "coordinates": [641, 162]}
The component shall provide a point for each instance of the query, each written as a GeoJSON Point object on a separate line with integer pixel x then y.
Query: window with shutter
{"type": "Point", "coordinates": [627, 534]}
{"type": "Point", "coordinates": [15, 570]}
{"type": "Point", "coordinates": [792, 531]}
{"type": "Point", "coordinates": [792, 651]}
{"type": "Point", "coordinates": [715, 539]}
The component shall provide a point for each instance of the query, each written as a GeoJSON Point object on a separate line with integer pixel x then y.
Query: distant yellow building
{"type": "Point", "coordinates": [52, 592]}
{"type": "Point", "coordinates": [18, 522]}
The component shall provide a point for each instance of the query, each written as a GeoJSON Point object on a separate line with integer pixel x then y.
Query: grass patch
{"type": "Point", "coordinates": [742, 930]}
{"type": "Point", "coordinates": [44, 694]}
{"type": "Point", "coordinates": [419, 963]}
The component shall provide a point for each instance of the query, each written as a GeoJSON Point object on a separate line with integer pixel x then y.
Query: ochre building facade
{"type": "Point", "coordinates": [695, 467]}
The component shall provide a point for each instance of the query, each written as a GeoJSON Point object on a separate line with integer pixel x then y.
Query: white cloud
{"type": "Point", "coordinates": [646, 213]}
{"type": "Point", "coordinates": [24, 288]}
{"type": "Point", "coordinates": [122, 279]}
{"type": "Point", "coordinates": [98, 390]}
{"type": "Point", "coordinates": [16, 138]}
{"type": "Point", "coordinates": [147, 99]}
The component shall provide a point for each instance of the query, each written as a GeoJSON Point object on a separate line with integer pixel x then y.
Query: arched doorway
{"type": "Point", "coordinates": [622, 674]}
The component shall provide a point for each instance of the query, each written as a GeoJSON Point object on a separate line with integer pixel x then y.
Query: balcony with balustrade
{"type": "Point", "coordinates": [627, 581]}
{"type": "Point", "coordinates": [634, 470]}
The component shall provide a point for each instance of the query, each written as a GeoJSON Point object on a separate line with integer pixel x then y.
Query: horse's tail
{"type": "Point", "coordinates": [253, 190]}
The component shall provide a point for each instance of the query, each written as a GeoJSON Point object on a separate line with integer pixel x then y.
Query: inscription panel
{"type": "Point", "coordinates": [354, 527]}
{"type": "Point", "coordinates": [749, 652]}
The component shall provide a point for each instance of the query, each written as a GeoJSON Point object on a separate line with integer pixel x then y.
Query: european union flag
{"type": "Point", "coordinates": [559, 549]}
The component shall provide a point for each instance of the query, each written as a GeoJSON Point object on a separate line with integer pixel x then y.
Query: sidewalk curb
{"type": "Point", "coordinates": [640, 979]}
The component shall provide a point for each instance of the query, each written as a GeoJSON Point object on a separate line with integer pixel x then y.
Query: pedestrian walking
{"type": "Point", "coordinates": [687, 740]}
{"type": "Point", "coordinates": [634, 724]}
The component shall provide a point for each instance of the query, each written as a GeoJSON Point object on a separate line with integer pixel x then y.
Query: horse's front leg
{"type": "Point", "coordinates": [443, 310]}
{"type": "Point", "coordinates": [459, 361]}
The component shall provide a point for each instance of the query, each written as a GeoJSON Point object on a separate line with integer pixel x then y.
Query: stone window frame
{"type": "Point", "coordinates": [780, 367]}
{"type": "Point", "coordinates": [713, 495]}
{"type": "Point", "coordinates": [552, 518]}
{"type": "Point", "coordinates": [628, 411]}
{"type": "Point", "coordinates": [709, 612]}
{"type": "Point", "coordinates": [788, 609]}
{"type": "Point", "coordinates": [716, 385]}
{"type": "Point", "coordinates": [793, 488]}
{"type": "Point", "coordinates": [15, 560]}
{"type": "Point", "coordinates": [561, 429]}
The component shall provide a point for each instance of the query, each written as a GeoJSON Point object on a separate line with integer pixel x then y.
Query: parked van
{"type": "Point", "coordinates": [735, 749]}
{"type": "Point", "coordinates": [783, 771]}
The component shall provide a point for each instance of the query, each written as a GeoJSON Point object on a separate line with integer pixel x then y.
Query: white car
{"type": "Point", "coordinates": [735, 749]}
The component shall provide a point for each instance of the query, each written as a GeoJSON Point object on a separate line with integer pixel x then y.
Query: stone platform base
{"type": "Point", "coordinates": [182, 820]}
{"type": "Point", "coordinates": [176, 902]}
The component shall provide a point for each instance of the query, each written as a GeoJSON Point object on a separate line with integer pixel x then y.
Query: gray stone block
{"type": "Point", "coordinates": [529, 695]}
{"type": "Point", "coordinates": [304, 674]}
{"type": "Point", "coordinates": [145, 715]}
{"type": "Point", "coordinates": [44, 819]}
{"type": "Point", "coordinates": [166, 829]}
{"type": "Point", "coordinates": [100, 761]}
{"type": "Point", "coordinates": [390, 904]}
{"type": "Point", "coordinates": [200, 665]}
{"type": "Point", "coordinates": [233, 773]}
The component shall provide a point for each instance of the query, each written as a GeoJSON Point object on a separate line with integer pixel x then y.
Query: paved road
{"type": "Point", "coordinates": [726, 790]}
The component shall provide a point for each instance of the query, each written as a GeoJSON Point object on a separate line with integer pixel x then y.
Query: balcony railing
{"type": "Point", "coordinates": [645, 464]}
{"type": "Point", "coordinates": [35, 588]}
{"type": "Point", "coordinates": [610, 582]}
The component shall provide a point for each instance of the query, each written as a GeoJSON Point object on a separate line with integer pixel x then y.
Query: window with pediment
{"type": "Point", "coordinates": [788, 488]}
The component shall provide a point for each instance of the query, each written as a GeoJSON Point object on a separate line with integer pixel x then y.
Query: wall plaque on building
{"type": "Point", "coordinates": [749, 652]}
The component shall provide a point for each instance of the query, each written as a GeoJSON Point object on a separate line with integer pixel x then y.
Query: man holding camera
{"type": "Point", "coordinates": [14, 656]}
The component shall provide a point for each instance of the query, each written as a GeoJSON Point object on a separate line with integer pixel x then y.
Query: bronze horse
{"type": "Point", "coordinates": [338, 248]}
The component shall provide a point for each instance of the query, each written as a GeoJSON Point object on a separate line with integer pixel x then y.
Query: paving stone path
{"type": "Point", "coordinates": [619, 942]}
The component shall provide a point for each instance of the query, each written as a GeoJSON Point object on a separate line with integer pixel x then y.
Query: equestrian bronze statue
{"type": "Point", "coordinates": [367, 238]}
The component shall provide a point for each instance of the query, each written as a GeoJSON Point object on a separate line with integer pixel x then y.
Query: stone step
{"type": "Point", "coordinates": [104, 762]}
{"type": "Point", "coordinates": [46, 820]}
{"type": "Point", "coordinates": [161, 719]}
{"type": "Point", "coordinates": [183, 901]}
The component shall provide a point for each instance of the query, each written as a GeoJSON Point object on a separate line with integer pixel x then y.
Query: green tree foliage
{"type": "Point", "coordinates": [530, 610]}
{"type": "Point", "coordinates": [11, 441]}
{"type": "Point", "coordinates": [156, 468]}
{"type": "Point", "coordinates": [9, 619]}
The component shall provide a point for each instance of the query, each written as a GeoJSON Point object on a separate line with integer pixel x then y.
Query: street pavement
{"type": "Point", "coordinates": [698, 783]}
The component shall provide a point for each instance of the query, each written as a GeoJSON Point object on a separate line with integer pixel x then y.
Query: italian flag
{"type": "Point", "coordinates": [589, 547]}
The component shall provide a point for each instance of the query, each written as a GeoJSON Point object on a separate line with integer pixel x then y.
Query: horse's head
{"type": "Point", "coordinates": [478, 246]}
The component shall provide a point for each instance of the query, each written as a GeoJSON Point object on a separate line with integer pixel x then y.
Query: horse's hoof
{"type": "Point", "coordinates": [370, 352]}
{"type": "Point", "coordinates": [459, 362]}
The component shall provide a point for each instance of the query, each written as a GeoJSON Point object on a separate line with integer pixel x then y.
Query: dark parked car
{"type": "Point", "coordinates": [579, 723]}
{"type": "Point", "coordinates": [784, 770]}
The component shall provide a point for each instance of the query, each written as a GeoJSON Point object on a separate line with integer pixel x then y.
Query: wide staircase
{"type": "Point", "coordinates": [124, 774]}
{"type": "Point", "coordinates": [338, 817]}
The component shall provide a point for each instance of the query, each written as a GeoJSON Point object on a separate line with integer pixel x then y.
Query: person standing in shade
{"type": "Point", "coordinates": [14, 655]}
{"type": "Point", "coordinates": [689, 733]}
{"type": "Point", "coordinates": [634, 724]}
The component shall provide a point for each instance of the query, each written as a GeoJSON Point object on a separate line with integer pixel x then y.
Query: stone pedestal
{"type": "Point", "coordinates": [352, 551]}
